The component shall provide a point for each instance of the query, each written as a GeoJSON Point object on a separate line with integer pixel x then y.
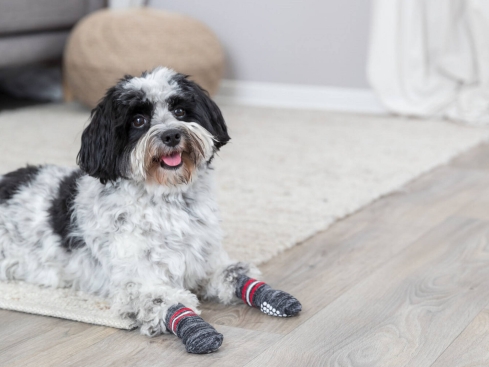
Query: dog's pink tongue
{"type": "Point", "coordinates": [172, 160]}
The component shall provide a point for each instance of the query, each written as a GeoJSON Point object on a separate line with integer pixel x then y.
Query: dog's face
{"type": "Point", "coordinates": [159, 128]}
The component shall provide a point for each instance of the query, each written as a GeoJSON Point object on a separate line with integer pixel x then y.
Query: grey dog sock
{"type": "Point", "coordinates": [198, 336]}
{"type": "Point", "coordinates": [270, 301]}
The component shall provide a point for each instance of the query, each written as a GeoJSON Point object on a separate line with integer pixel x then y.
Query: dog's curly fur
{"type": "Point", "coordinates": [127, 225]}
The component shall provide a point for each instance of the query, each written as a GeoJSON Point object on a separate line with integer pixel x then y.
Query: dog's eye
{"type": "Point", "coordinates": [139, 121]}
{"type": "Point", "coordinates": [179, 112]}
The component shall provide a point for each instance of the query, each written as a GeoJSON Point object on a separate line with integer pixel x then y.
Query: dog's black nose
{"type": "Point", "coordinates": [171, 138]}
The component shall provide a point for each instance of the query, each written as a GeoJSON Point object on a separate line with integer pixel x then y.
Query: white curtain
{"type": "Point", "coordinates": [431, 58]}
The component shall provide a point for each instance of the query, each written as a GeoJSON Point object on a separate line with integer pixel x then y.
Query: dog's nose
{"type": "Point", "coordinates": [171, 138]}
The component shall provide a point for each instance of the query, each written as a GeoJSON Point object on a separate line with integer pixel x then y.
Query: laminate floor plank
{"type": "Point", "coordinates": [405, 314]}
{"type": "Point", "coordinates": [50, 347]}
{"type": "Point", "coordinates": [471, 348]}
{"type": "Point", "coordinates": [167, 350]}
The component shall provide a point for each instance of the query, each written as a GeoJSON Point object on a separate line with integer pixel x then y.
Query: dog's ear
{"type": "Point", "coordinates": [220, 130]}
{"type": "Point", "coordinates": [99, 152]}
{"type": "Point", "coordinates": [206, 110]}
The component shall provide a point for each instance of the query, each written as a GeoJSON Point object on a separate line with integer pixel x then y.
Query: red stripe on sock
{"type": "Point", "coordinates": [180, 319]}
{"type": "Point", "coordinates": [175, 315]}
{"type": "Point", "coordinates": [252, 293]}
{"type": "Point", "coordinates": [245, 287]}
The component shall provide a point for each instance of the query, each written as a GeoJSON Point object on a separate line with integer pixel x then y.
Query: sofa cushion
{"type": "Point", "coordinates": [19, 16]}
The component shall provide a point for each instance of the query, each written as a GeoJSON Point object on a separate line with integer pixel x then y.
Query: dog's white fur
{"type": "Point", "coordinates": [147, 246]}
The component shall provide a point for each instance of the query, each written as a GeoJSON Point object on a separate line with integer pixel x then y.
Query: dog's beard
{"type": "Point", "coordinates": [150, 154]}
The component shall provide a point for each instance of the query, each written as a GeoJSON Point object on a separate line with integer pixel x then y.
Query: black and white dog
{"type": "Point", "coordinates": [138, 222]}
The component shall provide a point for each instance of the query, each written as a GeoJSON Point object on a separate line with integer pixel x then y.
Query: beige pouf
{"type": "Point", "coordinates": [109, 44]}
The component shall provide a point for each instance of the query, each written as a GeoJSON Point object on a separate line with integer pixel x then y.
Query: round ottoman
{"type": "Point", "coordinates": [108, 44]}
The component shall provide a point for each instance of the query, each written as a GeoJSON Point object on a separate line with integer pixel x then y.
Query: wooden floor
{"type": "Point", "coordinates": [404, 282]}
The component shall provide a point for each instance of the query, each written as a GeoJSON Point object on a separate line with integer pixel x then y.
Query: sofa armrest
{"type": "Point", "coordinates": [32, 48]}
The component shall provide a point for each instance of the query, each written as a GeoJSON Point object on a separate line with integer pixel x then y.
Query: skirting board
{"type": "Point", "coordinates": [299, 96]}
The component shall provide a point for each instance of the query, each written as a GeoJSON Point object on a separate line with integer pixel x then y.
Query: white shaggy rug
{"type": "Point", "coordinates": [285, 175]}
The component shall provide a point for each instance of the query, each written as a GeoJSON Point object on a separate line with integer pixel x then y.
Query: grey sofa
{"type": "Point", "coordinates": [33, 31]}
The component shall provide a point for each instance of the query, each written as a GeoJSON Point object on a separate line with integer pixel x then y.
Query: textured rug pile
{"type": "Point", "coordinates": [285, 175]}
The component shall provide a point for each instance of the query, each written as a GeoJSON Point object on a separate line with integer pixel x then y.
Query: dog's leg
{"type": "Point", "coordinates": [236, 281]}
{"type": "Point", "coordinates": [161, 309]}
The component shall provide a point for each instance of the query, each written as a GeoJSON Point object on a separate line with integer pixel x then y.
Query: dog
{"type": "Point", "coordinates": [138, 221]}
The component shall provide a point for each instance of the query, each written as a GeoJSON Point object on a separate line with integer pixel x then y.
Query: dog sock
{"type": "Point", "coordinates": [268, 300]}
{"type": "Point", "coordinates": [198, 336]}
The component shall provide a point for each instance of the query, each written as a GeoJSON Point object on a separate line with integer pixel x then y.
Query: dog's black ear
{"type": "Point", "coordinates": [219, 128]}
{"type": "Point", "coordinates": [99, 152]}
{"type": "Point", "coordinates": [205, 110]}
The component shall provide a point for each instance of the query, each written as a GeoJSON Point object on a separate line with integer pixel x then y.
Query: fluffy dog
{"type": "Point", "coordinates": [138, 221]}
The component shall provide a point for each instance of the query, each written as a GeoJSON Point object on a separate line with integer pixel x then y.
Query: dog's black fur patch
{"type": "Point", "coordinates": [11, 182]}
{"type": "Point", "coordinates": [61, 210]}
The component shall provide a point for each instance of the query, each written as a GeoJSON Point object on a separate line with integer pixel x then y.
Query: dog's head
{"type": "Point", "coordinates": [158, 128]}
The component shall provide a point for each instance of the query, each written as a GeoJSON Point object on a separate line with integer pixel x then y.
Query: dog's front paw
{"type": "Point", "coordinates": [206, 340]}
{"type": "Point", "coordinates": [278, 303]}
{"type": "Point", "coordinates": [198, 336]}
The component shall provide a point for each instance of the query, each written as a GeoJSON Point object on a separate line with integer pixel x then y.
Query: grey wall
{"type": "Point", "coordinates": [321, 42]}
